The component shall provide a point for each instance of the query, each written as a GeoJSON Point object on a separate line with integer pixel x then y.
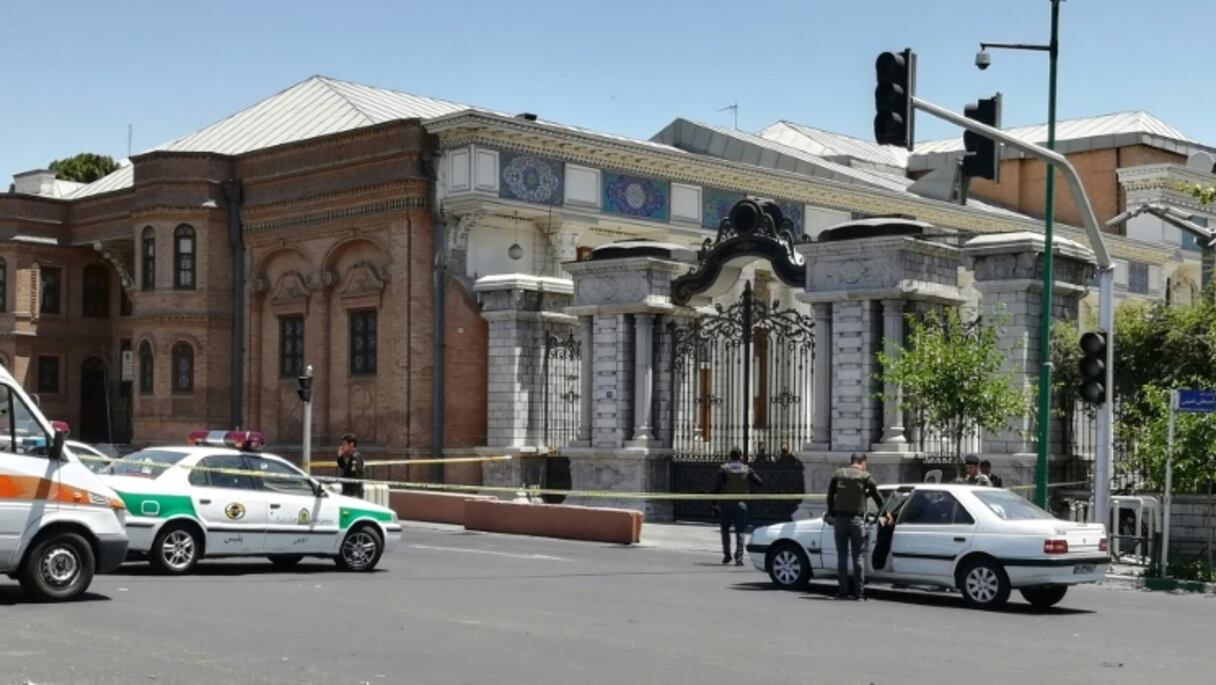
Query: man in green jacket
{"type": "Point", "coordinates": [734, 478]}
{"type": "Point", "coordinates": [846, 512]}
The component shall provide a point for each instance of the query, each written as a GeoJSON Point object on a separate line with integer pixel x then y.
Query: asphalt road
{"type": "Point", "coordinates": [456, 607]}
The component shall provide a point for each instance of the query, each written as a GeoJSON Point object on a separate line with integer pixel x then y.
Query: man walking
{"type": "Point", "coordinates": [350, 465]}
{"type": "Point", "coordinates": [734, 478]}
{"type": "Point", "coordinates": [847, 494]}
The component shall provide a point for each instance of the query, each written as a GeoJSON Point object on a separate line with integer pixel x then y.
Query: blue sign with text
{"type": "Point", "coordinates": [1197, 401]}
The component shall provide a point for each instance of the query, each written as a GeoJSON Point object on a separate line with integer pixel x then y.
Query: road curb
{"type": "Point", "coordinates": [1160, 584]}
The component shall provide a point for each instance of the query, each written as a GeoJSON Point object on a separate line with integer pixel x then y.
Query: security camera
{"type": "Point", "coordinates": [983, 60]}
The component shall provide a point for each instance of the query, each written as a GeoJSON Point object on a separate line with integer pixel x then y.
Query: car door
{"type": "Point", "coordinates": [827, 541]}
{"type": "Point", "coordinates": [28, 478]}
{"type": "Point", "coordinates": [932, 532]}
{"type": "Point", "coordinates": [230, 504]}
{"type": "Point", "coordinates": [298, 520]}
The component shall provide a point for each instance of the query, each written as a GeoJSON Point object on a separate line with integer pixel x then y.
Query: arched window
{"type": "Point", "coordinates": [183, 367]}
{"type": "Point", "coordinates": [147, 278]}
{"type": "Point", "coordinates": [3, 285]}
{"type": "Point", "coordinates": [183, 257]}
{"type": "Point", "coordinates": [145, 368]}
{"type": "Point", "coordinates": [96, 291]}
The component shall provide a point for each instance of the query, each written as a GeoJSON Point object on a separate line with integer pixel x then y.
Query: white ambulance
{"type": "Point", "coordinates": [59, 523]}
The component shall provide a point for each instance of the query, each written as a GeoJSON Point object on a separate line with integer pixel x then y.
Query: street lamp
{"type": "Point", "coordinates": [982, 61]}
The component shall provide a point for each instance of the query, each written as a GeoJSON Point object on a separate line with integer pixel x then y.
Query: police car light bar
{"type": "Point", "coordinates": [241, 440]}
{"type": "Point", "coordinates": [62, 427]}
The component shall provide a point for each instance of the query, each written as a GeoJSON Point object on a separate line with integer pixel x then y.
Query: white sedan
{"type": "Point", "coordinates": [983, 541]}
{"type": "Point", "coordinates": [185, 503]}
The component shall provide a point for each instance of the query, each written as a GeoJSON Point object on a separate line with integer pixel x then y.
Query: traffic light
{"type": "Point", "coordinates": [305, 389]}
{"type": "Point", "coordinates": [983, 159]}
{"type": "Point", "coordinates": [893, 124]}
{"type": "Point", "coordinates": [1093, 368]}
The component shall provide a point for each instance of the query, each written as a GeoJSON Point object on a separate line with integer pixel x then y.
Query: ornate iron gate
{"type": "Point", "coordinates": [560, 409]}
{"type": "Point", "coordinates": [742, 379]}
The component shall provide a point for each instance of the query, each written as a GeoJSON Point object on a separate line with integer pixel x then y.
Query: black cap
{"type": "Point", "coordinates": [971, 459]}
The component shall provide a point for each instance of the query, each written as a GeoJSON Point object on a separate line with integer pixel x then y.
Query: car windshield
{"type": "Point", "coordinates": [1010, 506]}
{"type": "Point", "coordinates": [146, 464]}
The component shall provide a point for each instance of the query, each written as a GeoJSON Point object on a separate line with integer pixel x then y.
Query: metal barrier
{"type": "Point", "coordinates": [1131, 537]}
{"type": "Point", "coordinates": [376, 493]}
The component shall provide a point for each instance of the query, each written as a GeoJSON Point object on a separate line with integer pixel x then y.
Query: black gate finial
{"type": "Point", "coordinates": [755, 227]}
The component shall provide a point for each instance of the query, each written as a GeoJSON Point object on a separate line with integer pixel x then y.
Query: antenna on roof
{"type": "Point", "coordinates": [130, 130]}
{"type": "Point", "coordinates": [735, 109]}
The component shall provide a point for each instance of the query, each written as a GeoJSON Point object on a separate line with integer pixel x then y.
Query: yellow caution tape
{"type": "Point", "coordinates": [397, 462]}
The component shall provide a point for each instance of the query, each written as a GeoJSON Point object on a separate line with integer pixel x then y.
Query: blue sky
{"type": "Point", "coordinates": [77, 73]}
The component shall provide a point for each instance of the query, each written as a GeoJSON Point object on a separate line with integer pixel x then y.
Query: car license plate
{"type": "Point", "coordinates": [1082, 569]}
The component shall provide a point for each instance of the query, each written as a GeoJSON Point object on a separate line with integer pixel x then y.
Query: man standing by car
{"type": "Point", "coordinates": [350, 465]}
{"type": "Point", "coordinates": [734, 478]}
{"type": "Point", "coordinates": [971, 473]}
{"type": "Point", "coordinates": [986, 470]}
{"type": "Point", "coordinates": [847, 494]}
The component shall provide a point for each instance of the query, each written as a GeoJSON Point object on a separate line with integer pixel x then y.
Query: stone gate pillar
{"type": "Point", "coordinates": [861, 278]}
{"type": "Point", "coordinates": [1008, 272]}
{"type": "Point", "coordinates": [622, 296]}
{"type": "Point", "coordinates": [521, 311]}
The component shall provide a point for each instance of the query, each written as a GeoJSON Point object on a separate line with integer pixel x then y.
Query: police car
{"type": "Point", "coordinates": [983, 541]}
{"type": "Point", "coordinates": [219, 497]}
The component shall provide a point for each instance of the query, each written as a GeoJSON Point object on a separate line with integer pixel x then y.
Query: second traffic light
{"type": "Point", "coordinates": [894, 120]}
{"type": "Point", "coordinates": [305, 388]}
{"type": "Point", "coordinates": [983, 159]}
{"type": "Point", "coordinates": [1093, 368]}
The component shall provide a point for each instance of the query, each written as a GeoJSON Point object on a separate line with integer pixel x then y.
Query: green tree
{"type": "Point", "coordinates": [1206, 194]}
{"type": "Point", "coordinates": [85, 167]}
{"type": "Point", "coordinates": [952, 379]}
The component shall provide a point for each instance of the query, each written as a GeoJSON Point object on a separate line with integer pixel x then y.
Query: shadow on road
{"type": "Point", "coordinates": [823, 592]}
{"type": "Point", "coordinates": [11, 595]}
{"type": "Point", "coordinates": [242, 569]}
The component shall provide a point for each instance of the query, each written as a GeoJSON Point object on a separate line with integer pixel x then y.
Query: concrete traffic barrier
{"type": "Point", "coordinates": [622, 526]}
{"type": "Point", "coordinates": [434, 507]}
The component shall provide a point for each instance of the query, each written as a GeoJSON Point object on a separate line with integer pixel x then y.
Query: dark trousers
{"type": "Point", "coordinates": [353, 490]}
{"type": "Point", "coordinates": [850, 543]}
{"type": "Point", "coordinates": [732, 514]}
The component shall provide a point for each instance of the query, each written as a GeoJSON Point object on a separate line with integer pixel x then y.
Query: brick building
{"type": "Point", "coordinates": [192, 286]}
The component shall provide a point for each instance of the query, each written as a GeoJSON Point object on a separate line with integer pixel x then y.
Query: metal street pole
{"type": "Point", "coordinates": [306, 452]}
{"type": "Point", "coordinates": [1169, 482]}
{"type": "Point", "coordinates": [1044, 396]}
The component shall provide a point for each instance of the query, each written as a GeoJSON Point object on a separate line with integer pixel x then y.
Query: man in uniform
{"type": "Point", "coordinates": [972, 475]}
{"type": "Point", "coordinates": [847, 494]}
{"type": "Point", "coordinates": [734, 478]}
{"type": "Point", "coordinates": [350, 465]}
{"type": "Point", "coordinates": [986, 470]}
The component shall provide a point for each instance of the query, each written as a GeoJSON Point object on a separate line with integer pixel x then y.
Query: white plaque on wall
{"type": "Point", "coordinates": [128, 371]}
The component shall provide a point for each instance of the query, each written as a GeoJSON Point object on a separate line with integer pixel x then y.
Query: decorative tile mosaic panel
{"type": "Point", "coordinates": [636, 196]}
{"type": "Point", "coordinates": [715, 206]}
{"type": "Point", "coordinates": [794, 212]}
{"type": "Point", "coordinates": [530, 178]}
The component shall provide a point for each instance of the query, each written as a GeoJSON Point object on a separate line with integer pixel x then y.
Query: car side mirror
{"type": "Point", "coordinates": [318, 490]}
{"type": "Point", "coordinates": [56, 451]}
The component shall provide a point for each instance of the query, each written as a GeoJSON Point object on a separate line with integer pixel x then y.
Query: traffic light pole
{"type": "Point", "coordinates": [306, 449]}
{"type": "Point", "coordinates": [1106, 294]}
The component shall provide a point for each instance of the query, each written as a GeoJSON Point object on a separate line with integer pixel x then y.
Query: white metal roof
{"type": "Point", "coordinates": [318, 106]}
{"type": "Point", "coordinates": [833, 145]}
{"type": "Point", "coordinates": [1073, 135]}
{"type": "Point", "coordinates": [124, 177]}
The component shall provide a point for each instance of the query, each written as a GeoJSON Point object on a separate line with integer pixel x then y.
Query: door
{"type": "Point", "coordinates": [827, 544]}
{"type": "Point", "coordinates": [27, 478]}
{"type": "Point", "coordinates": [297, 520]}
{"type": "Point", "coordinates": [933, 531]}
{"type": "Point", "coordinates": [230, 504]}
{"type": "Point", "coordinates": [94, 403]}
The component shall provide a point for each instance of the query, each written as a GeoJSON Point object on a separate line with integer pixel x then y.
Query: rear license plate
{"type": "Point", "coordinates": [1082, 569]}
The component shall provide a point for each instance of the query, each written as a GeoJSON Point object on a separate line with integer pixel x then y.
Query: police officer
{"type": "Point", "coordinates": [986, 470]}
{"type": "Point", "coordinates": [734, 478]}
{"type": "Point", "coordinates": [350, 465]}
{"type": "Point", "coordinates": [846, 510]}
{"type": "Point", "coordinates": [972, 475]}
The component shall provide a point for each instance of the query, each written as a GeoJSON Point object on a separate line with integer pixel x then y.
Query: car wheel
{"type": "Point", "coordinates": [360, 550]}
{"type": "Point", "coordinates": [984, 584]}
{"type": "Point", "coordinates": [1044, 596]}
{"type": "Point", "coordinates": [176, 549]}
{"type": "Point", "coordinates": [788, 566]}
{"type": "Point", "coordinates": [285, 560]}
{"type": "Point", "coordinates": [57, 568]}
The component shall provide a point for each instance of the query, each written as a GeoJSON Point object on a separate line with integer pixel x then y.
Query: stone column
{"type": "Point", "coordinates": [893, 343]}
{"type": "Point", "coordinates": [643, 380]}
{"type": "Point", "coordinates": [586, 326]}
{"type": "Point", "coordinates": [822, 378]}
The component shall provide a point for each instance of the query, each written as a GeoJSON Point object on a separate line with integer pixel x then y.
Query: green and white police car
{"type": "Point", "coordinates": [219, 497]}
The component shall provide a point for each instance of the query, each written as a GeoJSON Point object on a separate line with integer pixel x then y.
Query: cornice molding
{"type": "Point", "coordinates": [339, 214]}
{"type": "Point", "coordinates": [252, 213]}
